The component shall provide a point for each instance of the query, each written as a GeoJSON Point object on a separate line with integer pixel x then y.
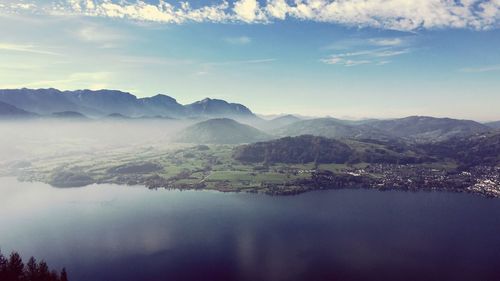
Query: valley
{"type": "Point", "coordinates": [113, 137]}
{"type": "Point", "coordinates": [225, 168]}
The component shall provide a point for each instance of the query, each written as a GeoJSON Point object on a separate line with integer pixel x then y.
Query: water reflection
{"type": "Point", "coordinates": [109, 232]}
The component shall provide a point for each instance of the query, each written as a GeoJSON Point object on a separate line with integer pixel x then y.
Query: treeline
{"type": "Point", "coordinates": [321, 150]}
{"type": "Point", "coordinates": [14, 269]}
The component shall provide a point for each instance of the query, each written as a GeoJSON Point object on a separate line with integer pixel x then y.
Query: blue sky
{"type": "Point", "coordinates": [344, 58]}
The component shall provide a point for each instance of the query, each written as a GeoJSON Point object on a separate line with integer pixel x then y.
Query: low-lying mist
{"type": "Point", "coordinates": [21, 140]}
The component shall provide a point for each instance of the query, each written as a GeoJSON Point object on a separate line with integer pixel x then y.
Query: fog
{"type": "Point", "coordinates": [22, 140]}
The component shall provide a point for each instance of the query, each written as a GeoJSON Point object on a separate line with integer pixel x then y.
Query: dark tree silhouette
{"type": "Point", "coordinates": [31, 271]}
{"type": "Point", "coordinates": [64, 275]}
{"type": "Point", "coordinates": [13, 269]}
{"type": "Point", "coordinates": [3, 267]}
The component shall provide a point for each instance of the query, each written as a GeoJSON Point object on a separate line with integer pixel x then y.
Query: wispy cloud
{"type": "Point", "coordinates": [253, 61]}
{"type": "Point", "coordinates": [377, 42]}
{"type": "Point", "coordinates": [487, 68]}
{"type": "Point", "coordinates": [208, 67]}
{"type": "Point", "coordinates": [384, 14]}
{"type": "Point", "coordinates": [374, 50]}
{"type": "Point", "coordinates": [102, 36]}
{"type": "Point", "coordinates": [26, 48]}
{"type": "Point", "coordinates": [391, 53]}
{"type": "Point", "coordinates": [18, 6]}
{"type": "Point", "coordinates": [90, 80]}
{"type": "Point", "coordinates": [376, 56]}
{"type": "Point", "coordinates": [241, 40]}
{"type": "Point", "coordinates": [344, 61]}
{"type": "Point", "coordinates": [145, 60]}
{"type": "Point", "coordinates": [387, 41]}
{"type": "Point", "coordinates": [356, 62]}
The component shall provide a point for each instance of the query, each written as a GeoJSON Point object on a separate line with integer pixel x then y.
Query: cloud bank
{"type": "Point", "coordinates": [385, 14]}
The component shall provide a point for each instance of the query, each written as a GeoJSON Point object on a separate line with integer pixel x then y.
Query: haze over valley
{"type": "Point", "coordinates": [68, 138]}
{"type": "Point", "coordinates": [244, 140]}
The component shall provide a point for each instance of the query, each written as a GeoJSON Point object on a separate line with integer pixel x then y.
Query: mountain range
{"type": "Point", "coordinates": [413, 128]}
{"type": "Point", "coordinates": [105, 102]}
{"type": "Point", "coordinates": [227, 122]}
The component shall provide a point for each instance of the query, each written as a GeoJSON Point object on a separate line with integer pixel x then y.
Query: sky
{"type": "Point", "coordinates": [341, 58]}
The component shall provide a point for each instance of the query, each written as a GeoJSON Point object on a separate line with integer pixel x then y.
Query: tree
{"type": "Point", "coordinates": [64, 275]}
{"type": "Point", "coordinates": [31, 271]}
{"type": "Point", "coordinates": [3, 267]}
{"type": "Point", "coordinates": [54, 275]}
{"type": "Point", "coordinates": [15, 267]}
{"type": "Point", "coordinates": [43, 271]}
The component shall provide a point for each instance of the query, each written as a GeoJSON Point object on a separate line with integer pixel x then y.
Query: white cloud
{"type": "Point", "coordinates": [277, 9]}
{"type": "Point", "coordinates": [248, 11]}
{"type": "Point", "coordinates": [163, 12]}
{"type": "Point", "coordinates": [393, 14]}
{"type": "Point", "coordinates": [386, 14]}
{"type": "Point", "coordinates": [481, 69]}
{"type": "Point", "coordinates": [241, 40]}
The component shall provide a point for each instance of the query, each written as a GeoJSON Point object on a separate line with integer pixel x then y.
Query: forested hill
{"type": "Point", "coordinates": [300, 149]}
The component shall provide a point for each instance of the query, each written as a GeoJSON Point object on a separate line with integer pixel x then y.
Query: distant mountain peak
{"type": "Point", "coordinates": [218, 108]}
{"type": "Point", "coordinates": [100, 103]}
{"type": "Point", "coordinates": [163, 97]}
{"type": "Point", "coordinates": [220, 131]}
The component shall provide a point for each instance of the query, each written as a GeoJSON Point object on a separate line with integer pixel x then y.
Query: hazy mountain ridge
{"type": "Point", "coordinates": [481, 149]}
{"type": "Point", "coordinates": [414, 128]}
{"type": "Point", "coordinates": [160, 104]}
{"type": "Point", "coordinates": [221, 131]}
{"type": "Point", "coordinates": [424, 128]}
{"type": "Point", "coordinates": [69, 114]}
{"type": "Point", "coordinates": [105, 102]}
{"type": "Point", "coordinates": [331, 128]}
{"type": "Point", "coordinates": [7, 110]}
{"type": "Point", "coordinates": [278, 122]}
{"type": "Point", "coordinates": [113, 104]}
{"type": "Point", "coordinates": [494, 125]}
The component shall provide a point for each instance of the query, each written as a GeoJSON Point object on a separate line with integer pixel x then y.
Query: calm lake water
{"type": "Point", "coordinates": [109, 232]}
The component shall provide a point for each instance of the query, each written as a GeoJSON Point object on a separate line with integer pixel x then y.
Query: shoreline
{"type": "Point", "coordinates": [276, 190]}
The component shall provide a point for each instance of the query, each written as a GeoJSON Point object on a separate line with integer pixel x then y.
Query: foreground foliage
{"type": "Point", "coordinates": [14, 269]}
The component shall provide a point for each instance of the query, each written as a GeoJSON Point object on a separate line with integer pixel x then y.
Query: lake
{"type": "Point", "coordinates": [110, 232]}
